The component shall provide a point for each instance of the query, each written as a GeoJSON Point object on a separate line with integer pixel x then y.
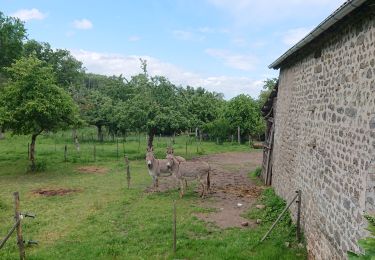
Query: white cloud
{"type": "Point", "coordinates": [244, 62]}
{"type": "Point", "coordinates": [29, 14]}
{"type": "Point", "coordinates": [293, 36]}
{"type": "Point", "coordinates": [83, 24]}
{"type": "Point", "coordinates": [116, 64]}
{"type": "Point", "coordinates": [134, 38]}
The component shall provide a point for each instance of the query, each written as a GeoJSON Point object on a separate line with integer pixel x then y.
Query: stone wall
{"type": "Point", "coordinates": [325, 139]}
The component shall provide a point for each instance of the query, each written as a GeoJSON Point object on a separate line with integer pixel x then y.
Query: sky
{"type": "Point", "coordinates": [221, 45]}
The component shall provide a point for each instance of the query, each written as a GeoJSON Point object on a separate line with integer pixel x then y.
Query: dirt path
{"type": "Point", "coordinates": [232, 192]}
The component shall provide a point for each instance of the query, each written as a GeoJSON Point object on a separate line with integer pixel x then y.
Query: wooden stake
{"type": "Point", "coordinates": [117, 148]}
{"type": "Point", "coordinates": [239, 135]}
{"type": "Point", "coordinates": [19, 226]}
{"type": "Point", "coordinates": [186, 147]}
{"type": "Point", "coordinates": [65, 153]}
{"type": "Point", "coordinates": [174, 227]}
{"type": "Point", "coordinates": [94, 152]}
{"type": "Point", "coordinates": [298, 215]}
{"type": "Point", "coordinates": [28, 151]}
{"type": "Point", "coordinates": [127, 171]}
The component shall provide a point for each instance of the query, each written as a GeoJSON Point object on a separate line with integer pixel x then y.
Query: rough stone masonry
{"type": "Point", "coordinates": [325, 137]}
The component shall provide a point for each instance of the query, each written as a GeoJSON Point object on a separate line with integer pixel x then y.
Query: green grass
{"type": "Point", "coordinates": [104, 220]}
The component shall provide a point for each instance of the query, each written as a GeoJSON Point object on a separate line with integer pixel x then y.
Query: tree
{"type": "Point", "coordinates": [244, 112]}
{"type": "Point", "coordinates": [98, 111]}
{"type": "Point", "coordinates": [32, 103]}
{"type": "Point", "coordinates": [155, 107]}
{"type": "Point", "coordinates": [12, 34]}
{"type": "Point", "coordinates": [268, 86]}
{"type": "Point", "coordinates": [68, 70]}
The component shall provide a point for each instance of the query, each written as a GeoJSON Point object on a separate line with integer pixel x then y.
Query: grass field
{"type": "Point", "coordinates": [104, 220]}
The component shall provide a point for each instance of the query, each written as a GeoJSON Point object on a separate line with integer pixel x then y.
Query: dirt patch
{"type": "Point", "coordinates": [232, 192]}
{"type": "Point", "coordinates": [92, 169]}
{"type": "Point", "coordinates": [55, 192]}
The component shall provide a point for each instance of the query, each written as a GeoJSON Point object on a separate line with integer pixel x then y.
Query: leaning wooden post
{"type": "Point", "coordinates": [127, 171]}
{"type": "Point", "coordinates": [174, 227]}
{"type": "Point", "coordinates": [18, 218]}
{"type": "Point", "coordinates": [65, 153]}
{"type": "Point", "coordinates": [298, 215]}
{"type": "Point", "coordinates": [278, 218]}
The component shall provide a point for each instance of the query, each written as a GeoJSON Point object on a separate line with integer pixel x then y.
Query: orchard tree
{"type": "Point", "coordinates": [268, 86]}
{"type": "Point", "coordinates": [244, 112]}
{"type": "Point", "coordinates": [32, 103]}
{"type": "Point", "coordinates": [12, 34]}
{"type": "Point", "coordinates": [68, 70]}
{"type": "Point", "coordinates": [98, 110]}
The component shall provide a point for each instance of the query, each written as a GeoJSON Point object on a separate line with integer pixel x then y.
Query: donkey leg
{"type": "Point", "coordinates": [181, 188]}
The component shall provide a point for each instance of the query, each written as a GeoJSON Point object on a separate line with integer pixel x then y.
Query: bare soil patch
{"type": "Point", "coordinates": [92, 169]}
{"type": "Point", "coordinates": [55, 192]}
{"type": "Point", "coordinates": [232, 192]}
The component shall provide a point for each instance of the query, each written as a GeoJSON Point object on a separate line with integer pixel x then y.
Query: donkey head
{"type": "Point", "coordinates": [170, 150]}
{"type": "Point", "coordinates": [170, 160]}
{"type": "Point", "coordinates": [150, 157]}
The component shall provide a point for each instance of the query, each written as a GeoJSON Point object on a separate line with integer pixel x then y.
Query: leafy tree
{"type": "Point", "coordinates": [97, 110]}
{"type": "Point", "coordinates": [68, 70]}
{"type": "Point", "coordinates": [12, 34]}
{"type": "Point", "coordinates": [32, 102]}
{"type": "Point", "coordinates": [268, 86]}
{"type": "Point", "coordinates": [219, 128]}
{"type": "Point", "coordinates": [244, 112]}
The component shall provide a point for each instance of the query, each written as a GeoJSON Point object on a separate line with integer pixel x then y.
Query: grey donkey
{"type": "Point", "coordinates": [188, 171]}
{"type": "Point", "coordinates": [156, 167]}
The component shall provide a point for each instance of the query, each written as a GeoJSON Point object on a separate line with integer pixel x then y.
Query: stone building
{"type": "Point", "coordinates": [321, 129]}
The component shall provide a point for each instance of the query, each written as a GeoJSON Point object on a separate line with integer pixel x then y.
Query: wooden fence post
{"type": "Point", "coordinates": [28, 151]}
{"type": "Point", "coordinates": [65, 153]}
{"type": "Point", "coordinates": [18, 218]}
{"type": "Point", "coordinates": [127, 171]}
{"type": "Point", "coordinates": [298, 215]}
{"type": "Point", "coordinates": [186, 148]}
{"type": "Point", "coordinates": [94, 152]}
{"type": "Point", "coordinates": [174, 227]}
{"type": "Point", "coordinates": [239, 135]}
{"type": "Point", "coordinates": [117, 148]}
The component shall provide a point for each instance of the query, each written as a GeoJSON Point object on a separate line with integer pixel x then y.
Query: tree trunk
{"type": "Point", "coordinates": [1, 133]}
{"type": "Point", "coordinates": [100, 133]}
{"type": "Point", "coordinates": [32, 152]}
{"type": "Point", "coordinates": [150, 140]}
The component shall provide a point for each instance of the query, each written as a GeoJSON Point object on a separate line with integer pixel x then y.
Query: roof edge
{"type": "Point", "coordinates": [336, 16]}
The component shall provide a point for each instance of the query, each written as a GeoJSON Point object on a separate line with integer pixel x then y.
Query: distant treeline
{"type": "Point", "coordinates": [46, 89]}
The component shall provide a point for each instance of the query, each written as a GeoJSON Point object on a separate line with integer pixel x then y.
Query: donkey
{"type": "Point", "coordinates": [156, 167]}
{"type": "Point", "coordinates": [190, 170]}
{"type": "Point", "coordinates": [170, 150]}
